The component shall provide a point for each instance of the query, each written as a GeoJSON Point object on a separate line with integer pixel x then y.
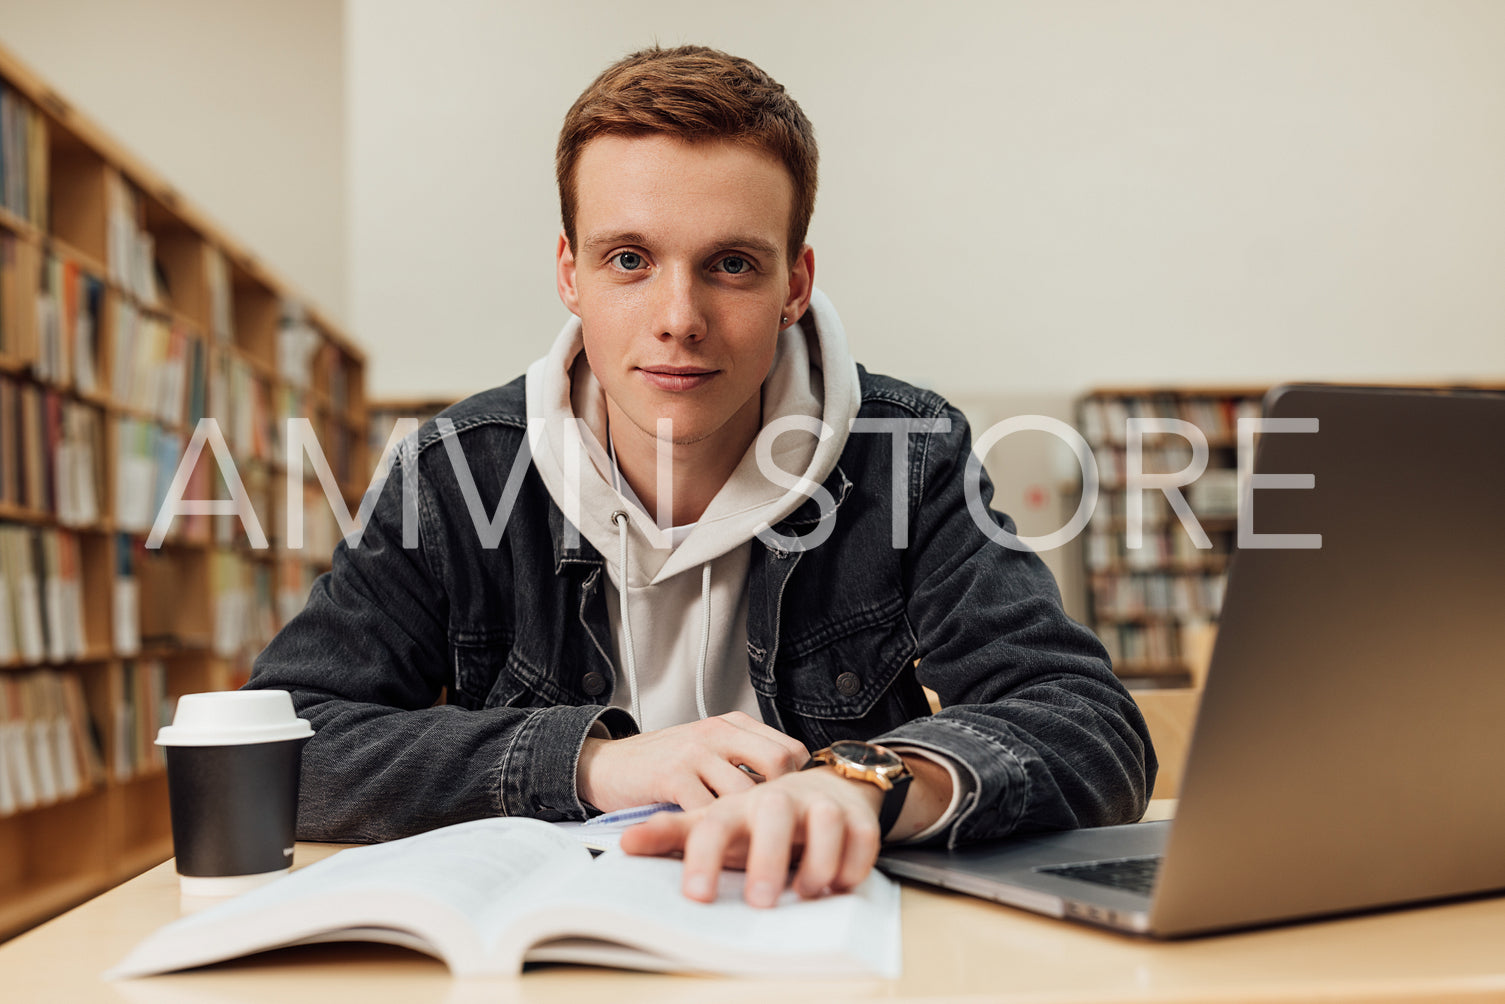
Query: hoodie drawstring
{"type": "Point", "coordinates": [705, 637]}
{"type": "Point", "coordinates": [620, 519]}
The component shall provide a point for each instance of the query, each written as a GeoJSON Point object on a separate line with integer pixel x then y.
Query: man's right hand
{"type": "Point", "coordinates": [690, 764]}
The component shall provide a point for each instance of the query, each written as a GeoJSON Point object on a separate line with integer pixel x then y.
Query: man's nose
{"type": "Point", "coordinates": [680, 313]}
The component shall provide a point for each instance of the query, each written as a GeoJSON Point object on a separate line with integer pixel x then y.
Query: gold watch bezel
{"type": "Point", "coordinates": [845, 763]}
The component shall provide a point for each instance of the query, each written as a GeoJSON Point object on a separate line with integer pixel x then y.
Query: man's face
{"type": "Point", "coordinates": [680, 275]}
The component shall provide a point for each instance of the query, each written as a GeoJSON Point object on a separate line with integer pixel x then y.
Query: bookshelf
{"type": "Point", "coordinates": [1148, 603]}
{"type": "Point", "coordinates": [126, 317]}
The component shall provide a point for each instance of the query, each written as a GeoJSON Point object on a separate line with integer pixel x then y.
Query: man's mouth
{"type": "Point", "coordinates": [675, 378]}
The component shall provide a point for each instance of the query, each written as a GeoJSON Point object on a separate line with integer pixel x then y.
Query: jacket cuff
{"type": "Point", "coordinates": [994, 778]}
{"type": "Point", "coordinates": [961, 787]}
{"type": "Point", "coordinates": [536, 774]}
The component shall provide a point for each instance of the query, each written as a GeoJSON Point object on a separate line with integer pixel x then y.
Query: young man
{"type": "Point", "coordinates": [696, 543]}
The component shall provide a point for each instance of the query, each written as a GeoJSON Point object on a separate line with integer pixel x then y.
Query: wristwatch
{"type": "Point", "coordinates": [874, 764]}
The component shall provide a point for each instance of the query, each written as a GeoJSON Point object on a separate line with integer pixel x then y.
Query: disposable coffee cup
{"type": "Point", "coordinates": [232, 778]}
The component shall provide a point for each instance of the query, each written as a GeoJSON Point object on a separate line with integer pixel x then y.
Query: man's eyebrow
{"type": "Point", "coordinates": [756, 244]}
{"type": "Point", "coordinates": [595, 242]}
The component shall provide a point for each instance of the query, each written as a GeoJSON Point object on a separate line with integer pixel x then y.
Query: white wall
{"type": "Point", "coordinates": [1016, 197]}
{"type": "Point", "coordinates": [240, 106]}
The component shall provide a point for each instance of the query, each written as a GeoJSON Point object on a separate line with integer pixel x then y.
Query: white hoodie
{"type": "Point", "coordinates": [682, 649]}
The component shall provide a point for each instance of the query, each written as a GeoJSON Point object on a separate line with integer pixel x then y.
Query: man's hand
{"type": "Point", "coordinates": [832, 821]}
{"type": "Point", "coordinates": [690, 764]}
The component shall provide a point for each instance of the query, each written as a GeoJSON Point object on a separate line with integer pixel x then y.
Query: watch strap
{"type": "Point", "coordinates": [893, 803]}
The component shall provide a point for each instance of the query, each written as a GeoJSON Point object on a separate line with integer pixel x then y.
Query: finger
{"type": "Point", "coordinates": [768, 850]}
{"type": "Point", "coordinates": [691, 793]}
{"type": "Point", "coordinates": [725, 779]}
{"type": "Point", "coordinates": [660, 833]}
{"type": "Point", "coordinates": [768, 758]}
{"type": "Point", "coordinates": [796, 752]}
{"type": "Point", "coordinates": [705, 848]}
{"type": "Point", "coordinates": [862, 844]}
{"type": "Point", "coordinates": [825, 836]}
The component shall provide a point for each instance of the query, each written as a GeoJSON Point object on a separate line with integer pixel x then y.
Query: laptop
{"type": "Point", "coordinates": [1349, 752]}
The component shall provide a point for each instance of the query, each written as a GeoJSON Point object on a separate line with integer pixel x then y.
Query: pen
{"type": "Point", "coordinates": [637, 813]}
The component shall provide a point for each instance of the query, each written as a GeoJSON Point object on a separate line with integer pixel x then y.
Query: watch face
{"type": "Point", "coordinates": [866, 755]}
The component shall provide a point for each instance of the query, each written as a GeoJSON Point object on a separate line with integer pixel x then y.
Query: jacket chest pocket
{"type": "Point", "coordinates": [481, 663]}
{"type": "Point", "coordinates": [854, 680]}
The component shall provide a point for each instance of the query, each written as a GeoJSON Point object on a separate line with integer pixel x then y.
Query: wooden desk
{"type": "Point", "coordinates": [955, 948]}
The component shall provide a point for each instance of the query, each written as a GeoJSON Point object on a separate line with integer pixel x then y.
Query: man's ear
{"type": "Point", "coordinates": [801, 284]}
{"type": "Point", "coordinates": [564, 275]}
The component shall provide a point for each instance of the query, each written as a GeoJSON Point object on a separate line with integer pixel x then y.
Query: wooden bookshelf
{"type": "Point", "coordinates": [1144, 601]}
{"type": "Point", "coordinates": [126, 317]}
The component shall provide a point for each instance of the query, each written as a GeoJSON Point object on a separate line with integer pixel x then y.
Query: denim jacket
{"type": "Point", "coordinates": [447, 680]}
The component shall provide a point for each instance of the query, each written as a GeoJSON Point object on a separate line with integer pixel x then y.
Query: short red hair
{"type": "Point", "coordinates": [694, 93]}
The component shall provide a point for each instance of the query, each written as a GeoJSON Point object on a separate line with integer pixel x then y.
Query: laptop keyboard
{"type": "Point", "coordinates": [1132, 874]}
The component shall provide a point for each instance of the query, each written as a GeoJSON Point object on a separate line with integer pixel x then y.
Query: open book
{"type": "Point", "coordinates": [487, 896]}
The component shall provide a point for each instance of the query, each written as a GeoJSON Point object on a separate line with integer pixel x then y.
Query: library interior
{"type": "Point", "coordinates": [319, 223]}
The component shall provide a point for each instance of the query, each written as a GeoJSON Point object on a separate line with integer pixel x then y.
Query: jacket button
{"type": "Point", "coordinates": [594, 684]}
{"type": "Point", "coordinates": [848, 684]}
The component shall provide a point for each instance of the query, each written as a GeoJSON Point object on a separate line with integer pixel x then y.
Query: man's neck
{"type": "Point", "coordinates": [699, 469]}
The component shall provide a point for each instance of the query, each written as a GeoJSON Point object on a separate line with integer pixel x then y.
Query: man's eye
{"type": "Point", "coordinates": [631, 261]}
{"type": "Point", "coordinates": [735, 265]}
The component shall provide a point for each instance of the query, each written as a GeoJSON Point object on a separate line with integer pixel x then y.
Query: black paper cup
{"type": "Point", "coordinates": [232, 776]}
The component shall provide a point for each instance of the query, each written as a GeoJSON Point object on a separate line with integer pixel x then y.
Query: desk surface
{"type": "Point", "coordinates": [955, 948]}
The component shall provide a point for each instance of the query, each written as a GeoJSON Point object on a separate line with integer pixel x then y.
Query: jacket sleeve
{"type": "Point", "coordinates": [365, 662]}
{"type": "Point", "coordinates": [1030, 706]}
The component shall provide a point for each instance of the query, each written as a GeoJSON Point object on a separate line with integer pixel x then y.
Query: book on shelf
{"type": "Point", "coordinates": [145, 706]}
{"type": "Point", "coordinates": [23, 585]}
{"type": "Point", "coordinates": [67, 306]}
{"type": "Point", "coordinates": [241, 401]}
{"type": "Point", "coordinates": [23, 158]}
{"type": "Point", "coordinates": [125, 620]}
{"type": "Point", "coordinates": [244, 615]}
{"type": "Point", "coordinates": [41, 583]}
{"type": "Point", "coordinates": [147, 456]}
{"type": "Point", "coordinates": [221, 309]}
{"type": "Point", "coordinates": [129, 247]}
{"type": "Point", "coordinates": [13, 445]}
{"type": "Point", "coordinates": [20, 264]}
{"type": "Point", "coordinates": [135, 473]}
{"type": "Point", "coordinates": [297, 344]}
{"type": "Point", "coordinates": [75, 444]}
{"type": "Point", "coordinates": [159, 366]}
{"type": "Point", "coordinates": [49, 746]}
{"type": "Point", "coordinates": [1136, 594]}
{"type": "Point", "coordinates": [9, 618]}
{"type": "Point", "coordinates": [22, 781]}
{"type": "Point", "coordinates": [1103, 417]}
{"type": "Point", "coordinates": [83, 731]}
{"type": "Point", "coordinates": [487, 896]}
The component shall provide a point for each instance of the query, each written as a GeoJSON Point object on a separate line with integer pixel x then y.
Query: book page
{"type": "Point", "coordinates": [439, 887]}
{"type": "Point", "coordinates": [635, 904]}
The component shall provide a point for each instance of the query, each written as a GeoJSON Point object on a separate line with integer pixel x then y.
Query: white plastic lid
{"type": "Point", "coordinates": [232, 718]}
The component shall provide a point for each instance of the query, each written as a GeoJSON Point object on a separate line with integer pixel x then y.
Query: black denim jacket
{"type": "Point", "coordinates": [841, 636]}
